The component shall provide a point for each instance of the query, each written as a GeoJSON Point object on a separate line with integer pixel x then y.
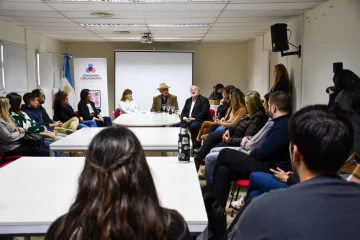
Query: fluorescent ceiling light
{"type": "Point", "coordinates": [181, 25]}
{"type": "Point", "coordinates": [155, 38]}
{"type": "Point", "coordinates": [149, 25]}
{"type": "Point", "coordinates": [111, 25]}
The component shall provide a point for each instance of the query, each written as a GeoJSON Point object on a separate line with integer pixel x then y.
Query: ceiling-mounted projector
{"type": "Point", "coordinates": [147, 38]}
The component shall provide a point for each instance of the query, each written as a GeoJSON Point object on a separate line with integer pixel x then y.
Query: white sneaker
{"type": "Point", "coordinates": [237, 205]}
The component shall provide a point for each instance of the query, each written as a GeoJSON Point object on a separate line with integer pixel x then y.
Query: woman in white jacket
{"type": "Point", "coordinates": [127, 104]}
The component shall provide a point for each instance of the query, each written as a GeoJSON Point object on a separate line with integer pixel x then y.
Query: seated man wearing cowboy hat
{"type": "Point", "coordinates": [164, 98]}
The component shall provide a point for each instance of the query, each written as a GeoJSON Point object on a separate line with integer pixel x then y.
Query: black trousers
{"type": "Point", "coordinates": [214, 139]}
{"type": "Point", "coordinates": [233, 165]}
{"type": "Point", "coordinates": [29, 151]}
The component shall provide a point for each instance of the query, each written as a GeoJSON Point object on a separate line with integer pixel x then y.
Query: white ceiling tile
{"type": "Point", "coordinates": [69, 32]}
{"type": "Point", "coordinates": [188, 29]}
{"type": "Point", "coordinates": [179, 20]}
{"type": "Point", "coordinates": [116, 15]}
{"type": "Point", "coordinates": [268, 6]}
{"type": "Point", "coordinates": [222, 28]}
{"type": "Point", "coordinates": [44, 14]}
{"type": "Point", "coordinates": [94, 6]}
{"type": "Point", "coordinates": [256, 25]}
{"type": "Point", "coordinates": [259, 13]}
{"type": "Point", "coordinates": [188, 14]}
{"type": "Point", "coordinates": [274, 1]}
{"type": "Point", "coordinates": [109, 20]}
{"type": "Point", "coordinates": [46, 24]}
{"type": "Point", "coordinates": [36, 19]}
{"type": "Point", "coordinates": [180, 32]}
{"type": "Point", "coordinates": [177, 34]}
{"type": "Point", "coordinates": [25, 6]}
{"type": "Point", "coordinates": [253, 19]}
{"type": "Point", "coordinates": [27, 1]}
{"type": "Point", "coordinates": [166, 7]}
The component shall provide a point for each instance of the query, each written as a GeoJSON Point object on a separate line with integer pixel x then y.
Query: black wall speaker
{"type": "Point", "coordinates": [279, 38]}
{"type": "Point", "coordinates": [337, 67]}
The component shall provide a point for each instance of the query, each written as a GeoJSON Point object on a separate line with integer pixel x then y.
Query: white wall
{"type": "Point", "coordinates": [328, 33]}
{"type": "Point", "coordinates": [33, 41]}
{"type": "Point", "coordinates": [264, 60]}
{"type": "Point", "coordinates": [332, 34]}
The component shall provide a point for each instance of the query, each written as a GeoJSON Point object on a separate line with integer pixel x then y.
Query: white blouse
{"type": "Point", "coordinates": [128, 106]}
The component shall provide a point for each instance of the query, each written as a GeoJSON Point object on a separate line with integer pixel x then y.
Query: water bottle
{"type": "Point", "coordinates": [184, 145]}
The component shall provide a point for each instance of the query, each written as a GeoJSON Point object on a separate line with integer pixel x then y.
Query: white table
{"type": "Point", "coordinates": [147, 119]}
{"type": "Point", "coordinates": [36, 191]}
{"type": "Point", "coordinates": [152, 139]}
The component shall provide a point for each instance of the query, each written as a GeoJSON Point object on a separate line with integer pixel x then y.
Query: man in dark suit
{"type": "Point", "coordinates": [164, 98]}
{"type": "Point", "coordinates": [322, 205]}
{"type": "Point", "coordinates": [195, 112]}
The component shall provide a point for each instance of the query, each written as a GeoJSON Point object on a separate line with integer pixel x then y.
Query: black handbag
{"type": "Point", "coordinates": [32, 139]}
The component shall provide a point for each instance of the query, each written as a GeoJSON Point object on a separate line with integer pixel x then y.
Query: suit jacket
{"type": "Point", "coordinates": [64, 114]}
{"type": "Point", "coordinates": [200, 111]}
{"type": "Point", "coordinates": [157, 102]}
{"type": "Point", "coordinates": [325, 206]}
{"type": "Point", "coordinates": [84, 110]}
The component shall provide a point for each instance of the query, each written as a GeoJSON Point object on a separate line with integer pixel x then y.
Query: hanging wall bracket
{"type": "Point", "coordinates": [298, 52]}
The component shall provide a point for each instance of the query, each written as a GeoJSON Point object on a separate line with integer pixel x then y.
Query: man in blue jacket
{"type": "Point", "coordinates": [233, 165]}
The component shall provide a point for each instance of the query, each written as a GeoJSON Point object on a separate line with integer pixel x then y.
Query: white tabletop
{"type": "Point", "coordinates": [151, 139]}
{"type": "Point", "coordinates": [36, 191]}
{"type": "Point", "coordinates": [147, 119]}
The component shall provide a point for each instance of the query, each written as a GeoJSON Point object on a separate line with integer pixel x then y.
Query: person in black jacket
{"type": "Point", "coordinates": [282, 81]}
{"type": "Point", "coordinates": [195, 112]}
{"type": "Point", "coordinates": [247, 126]}
{"type": "Point", "coordinates": [88, 111]}
{"type": "Point", "coordinates": [225, 102]}
{"type": "Point", "coordinates": [346, 99]}
{"type": "Point", "coordinates": [217, 93]}
{"type": "Point", "coordinates": [64, 112]}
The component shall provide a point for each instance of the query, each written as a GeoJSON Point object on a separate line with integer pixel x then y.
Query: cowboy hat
{"type": "Point", "coordinates": [163, 85]}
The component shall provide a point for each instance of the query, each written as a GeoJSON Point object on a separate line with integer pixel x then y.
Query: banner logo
{"type": "Point", "coordinates": [90, 74]}
{"type": "Point", "coordinates": [90, 69]}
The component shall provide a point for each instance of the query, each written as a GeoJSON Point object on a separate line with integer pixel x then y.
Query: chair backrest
{"type": "Point", "coordinates": [116, 112]}
{"type": "Point", "coordinates": [212, 114]}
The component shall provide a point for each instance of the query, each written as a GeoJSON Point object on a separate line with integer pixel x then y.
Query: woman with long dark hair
{"type": "Point", "coordinates": [64, 112]}
{"type": "Point", "coordinates": [282, 81]}
{"type": "Point", "coordinates": [117, 197]}
{"type": "Point", "coordinates": [88, 111]}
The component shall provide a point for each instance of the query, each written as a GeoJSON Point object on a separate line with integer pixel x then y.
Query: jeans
{"type": "Point", "coordinates": [47, 143]}
{"type": "Point", "coordinates": [220, 129]}
{"type": "Point", "coordinates": [87, 123]}
{"type": "Point", "coordinates": [261, 182]}
{"type": "Point", "coordinates": [210, 161]}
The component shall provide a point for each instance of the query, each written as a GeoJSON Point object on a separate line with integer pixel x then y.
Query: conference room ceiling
{"type": "Point", "coordinates": [166, 20]}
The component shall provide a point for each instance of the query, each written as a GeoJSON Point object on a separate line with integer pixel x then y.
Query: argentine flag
{"type": "Point", "coordinates": [66, 83]}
